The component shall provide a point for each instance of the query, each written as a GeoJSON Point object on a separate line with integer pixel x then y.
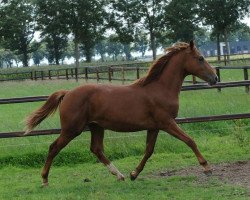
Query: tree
{"type": "Point", "coordinates": [17, 27]}
{"type": "Point", "coordinates": [181, 19]}
{"type": "Point", "coordinates": [101, 48]}
{"type": "Point", "coordinates": [114, 47]}
{"type": "Point", "coordinates": [202, 36]}
{"type": "Point", "coordinates": [241, 32]}
{"type": "Point", "coordinates": [51, 23]}
{"type": "Point", "coordinates": [151, 13]}
{"type": "Point", "coordinates": [123, 19]}
{"type": "Point", "coordinates": [55, 47]}
{"type": "Point", "coordinates": [85, 20]}
{"type": "Point", "coordinates": [39, 54]}
{"type": "Point", "coordinates": [7, 57]}
{"type": "Point", "coordinates": [141, 42]}
{"type": "Point", "coordinates": [223, 15]}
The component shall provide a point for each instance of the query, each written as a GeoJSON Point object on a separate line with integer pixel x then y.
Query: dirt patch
{"type": "Point", "coordinates": [237, 173]}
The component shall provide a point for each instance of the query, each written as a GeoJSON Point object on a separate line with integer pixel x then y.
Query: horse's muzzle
{"type": "Point", "coordinates": [213, 80]}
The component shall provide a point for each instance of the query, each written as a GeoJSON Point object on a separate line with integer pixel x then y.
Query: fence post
{"type": "Point", "coordinates": [35, 75]}
{"type": "Point", "coordinates": [194, 79]}
{"type": "Point", "coordinates": [76, 74]}
{"type": "Point", "coordinates": [109, 74]}
{"type": "Point", "coordinates": [31, 75]}
{"type": "Point", "coordinates": [49, 74]}
{"type": "Point", "coordinates": [123, 75]}
{"type": "Point", "coordinates": [86, 73]}
{"type": "Point", "coordinates": [97, 74]}
{"type": "Point", "coordinates": [219, 79]}
{"type": "Point", "coordinates": [67, 74]}
{"type": "Point", "coordinates": [112, 71]}
{"type": "Point", "coordinates": [225, 59]}
{"type": "Point", "coordinates": [42, 75]}
{"type": "Point", "coordinates": [246, 78]}
{"type": "Point", "coordinates": [57, 73]}
{"type": "Point", "coordinates": [137, 72]}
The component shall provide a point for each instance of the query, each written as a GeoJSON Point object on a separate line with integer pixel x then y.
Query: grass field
{"type": "Point", "coordinates": [21, 159]}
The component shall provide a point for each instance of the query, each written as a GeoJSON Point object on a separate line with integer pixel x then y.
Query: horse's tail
{"type": "Point", "coordinates": [47, 109]}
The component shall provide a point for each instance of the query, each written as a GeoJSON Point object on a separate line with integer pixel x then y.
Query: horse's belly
{"type": "Point", "coordinates": [120, 126]}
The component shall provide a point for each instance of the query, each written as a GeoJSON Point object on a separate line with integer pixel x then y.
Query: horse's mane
{"type": "Point", "coordinates": [158, 66]}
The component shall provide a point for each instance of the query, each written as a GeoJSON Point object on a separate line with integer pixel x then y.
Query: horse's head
{"type": "Point", "coordinates": [198, 66]}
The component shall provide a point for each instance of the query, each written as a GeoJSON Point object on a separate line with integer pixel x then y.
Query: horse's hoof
{"type": "Point", "coordinates": [208, 172]}
{"type": "Point", "coordinates": [86, 180]}
{"type": "Point", "coordinates": [133, 176]}
{"type": "Point", "coordinates": [44, 185]}
{"type": "Point", "coordinates": [121, 178]}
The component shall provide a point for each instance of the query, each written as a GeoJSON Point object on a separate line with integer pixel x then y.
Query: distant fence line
{"type": "Point", "coordinates": [106, 73]}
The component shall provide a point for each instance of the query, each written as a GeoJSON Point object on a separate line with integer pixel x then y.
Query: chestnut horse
{"type": "Point", "coordinates": [151, 104]}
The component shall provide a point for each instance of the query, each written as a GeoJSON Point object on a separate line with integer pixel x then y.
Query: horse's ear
{"type": "Point", "coordinates": [191, 43]}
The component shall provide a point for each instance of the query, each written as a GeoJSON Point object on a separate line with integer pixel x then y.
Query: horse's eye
{"type": "Point", "coordinates": [201, 58]}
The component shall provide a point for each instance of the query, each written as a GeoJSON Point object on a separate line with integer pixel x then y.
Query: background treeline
{"type": "Point", "coordinates": [112, 29]}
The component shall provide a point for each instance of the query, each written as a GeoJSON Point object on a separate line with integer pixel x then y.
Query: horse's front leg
{"type": "Point", "coordinates": [174, 130]}
{"type": "Point", "coordinates": [150, 144]}
{"type": "Point", "coordinates": [97, 135]}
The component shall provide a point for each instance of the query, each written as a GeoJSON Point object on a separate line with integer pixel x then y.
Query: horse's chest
{"type": "Point", "coordinates": [170, 110]}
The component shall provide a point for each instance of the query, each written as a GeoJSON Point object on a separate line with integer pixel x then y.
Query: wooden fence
{"type": "Point", "coordinates": [178, 120]}
{"type": "Point", "coordinates": [95, 72]}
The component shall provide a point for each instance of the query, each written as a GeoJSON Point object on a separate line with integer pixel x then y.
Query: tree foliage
{"type": "Point", "coordinates": [17, 27]}
{"type": "Point", "coordinates": [85, 20]}
{"type": "Point", "coordinates": [82, 28]}
{"type": "Point", "coordinates": [181, 19]}
{"type": "Point", "coordinates": [223, 15]}
{"type": "Point", "coordinates": [53, 29]}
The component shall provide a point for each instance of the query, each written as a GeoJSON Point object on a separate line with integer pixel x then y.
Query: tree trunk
{"type": "Point", "coordinates": [57, 58]}
{"type": "Point", "coordinates": [25, 58]}
{"type": "Point", "coordinates": [218, 46]}
{"type": "Point", "coordinates": [152, 43]}
{"type": "Point", "coordinates": [127, 51]}
{"type": "Point", "coordinates": [102, 57]}
{"type": "Point", "coordinates": [77, 53]}
{"type": "Point", "coordinates": [88, 55]}
{"type": "Point", "coordinates": [227, 47]}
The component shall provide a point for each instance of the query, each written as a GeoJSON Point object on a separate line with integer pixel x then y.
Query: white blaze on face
{"type": "Point", "coordinates": [113, 170]}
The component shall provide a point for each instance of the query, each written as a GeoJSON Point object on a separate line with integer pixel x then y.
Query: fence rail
{"type": "Point", "coordinates": [178, 120]}
{"type": "Point", "coordinates": [85, 72]}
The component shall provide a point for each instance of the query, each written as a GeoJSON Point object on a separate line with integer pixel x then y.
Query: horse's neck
{"type": "Point", "coordinates": [173, 76]}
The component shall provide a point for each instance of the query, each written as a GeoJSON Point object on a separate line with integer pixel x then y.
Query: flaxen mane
{"type": "Point", "coordinates": [157, 67]}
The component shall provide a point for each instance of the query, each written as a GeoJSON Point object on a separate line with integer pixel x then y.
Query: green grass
{"type": "Point", "coordinates": [67, 183]}
{"type": "Point", "coordinates": [21, 159]}
{"type": "Point", "coordinates": [66, 180]}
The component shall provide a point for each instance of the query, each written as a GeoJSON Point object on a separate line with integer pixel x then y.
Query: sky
{"type": "Point", "coordinates": [246, 20]}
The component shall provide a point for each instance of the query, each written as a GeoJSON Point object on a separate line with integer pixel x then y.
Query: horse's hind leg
{"type": "Point", "coordinates": [54, 149]}
{"type": "Point", "coordinates": [174, 130]}
{"type": "Point", "coordinates": [97, 135]}
{"type": "Point", "coordinates": [150, 144]}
